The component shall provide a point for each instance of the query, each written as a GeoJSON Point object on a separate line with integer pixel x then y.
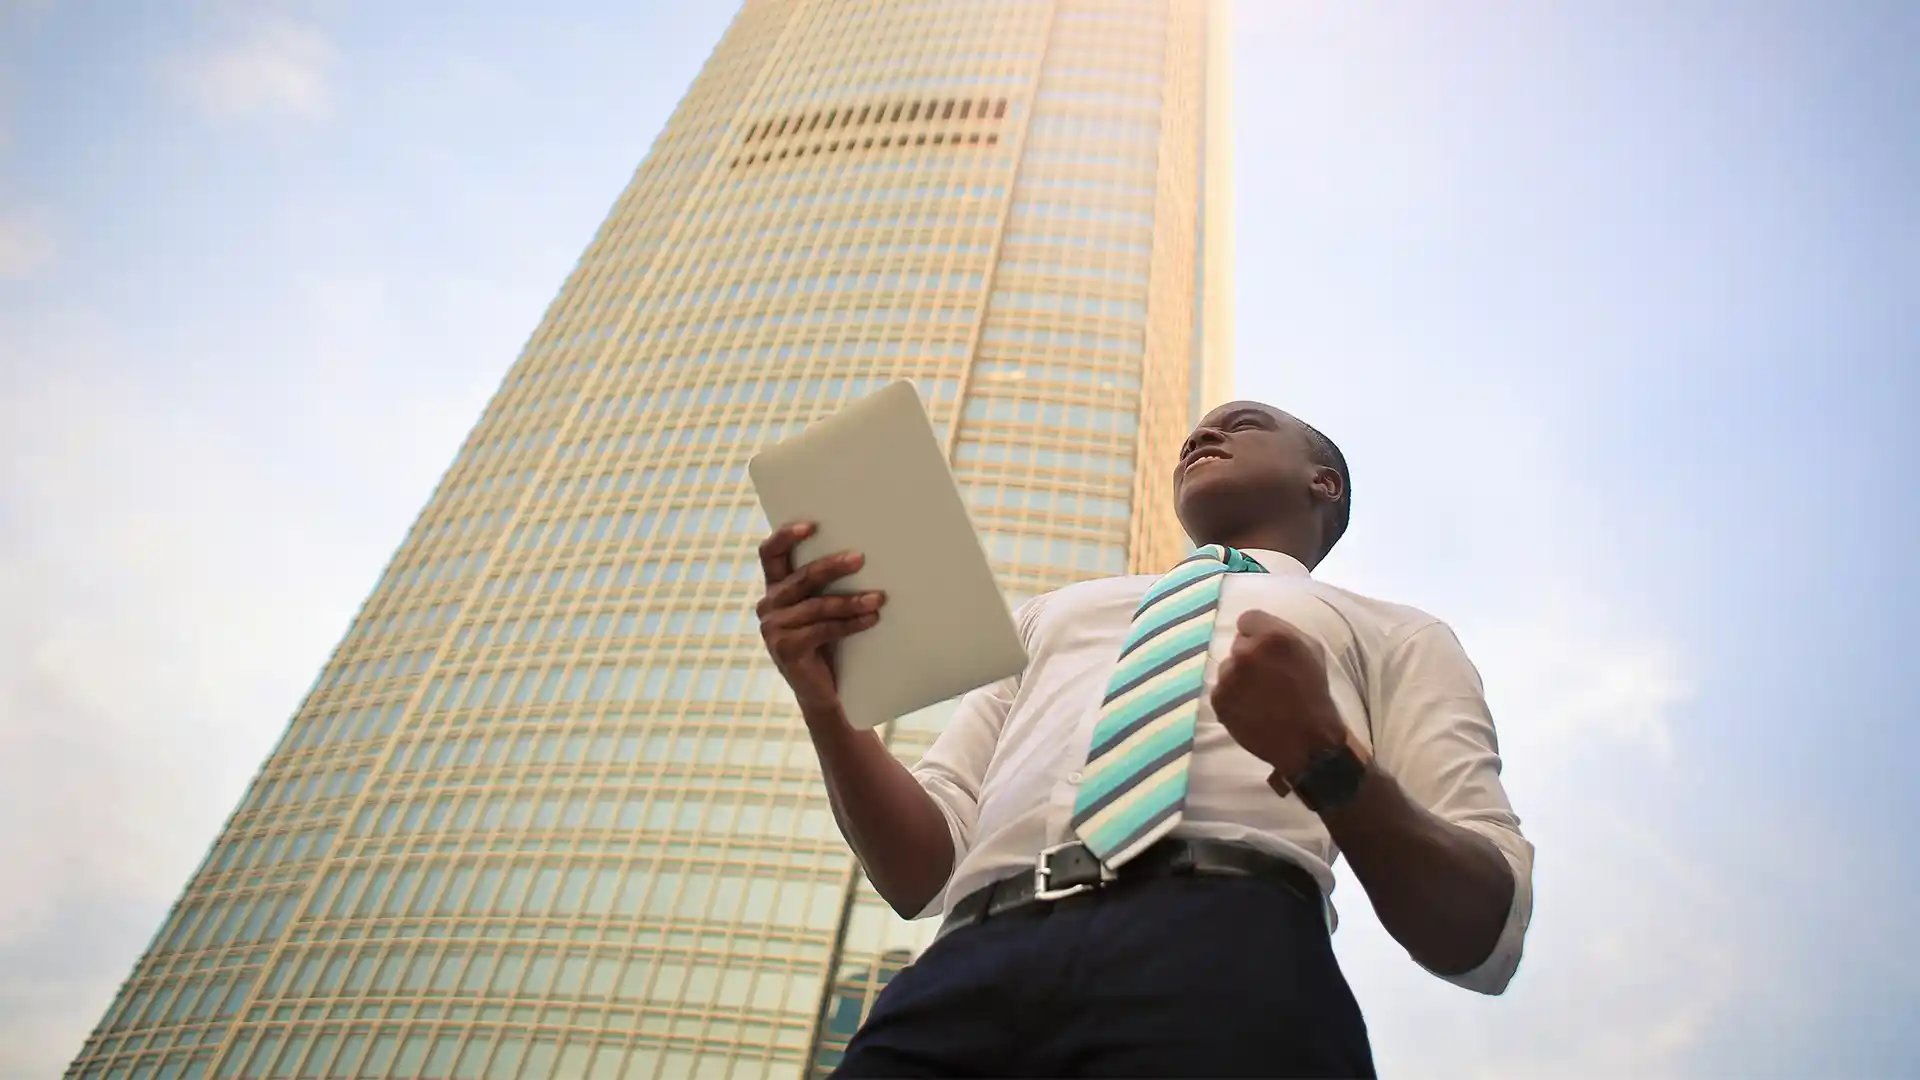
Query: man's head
{"type": "Point", "coordinates": [1253, 476]}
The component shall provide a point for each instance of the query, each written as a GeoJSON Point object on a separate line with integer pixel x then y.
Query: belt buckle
{"type": "Point", "coordinates": [1043, 874]}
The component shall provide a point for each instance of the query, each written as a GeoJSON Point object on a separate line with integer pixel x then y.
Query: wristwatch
{"type": "Point", "coordinates": [1331, 778]}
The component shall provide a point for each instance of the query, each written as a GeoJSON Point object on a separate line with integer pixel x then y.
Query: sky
{"type": "Point", "coordinates": [1612, 307]}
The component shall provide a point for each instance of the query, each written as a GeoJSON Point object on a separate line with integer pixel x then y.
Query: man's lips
{"type": "Point", "coordinates": [1198, 456]}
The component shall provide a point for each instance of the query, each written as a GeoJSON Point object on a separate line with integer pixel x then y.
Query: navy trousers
{"type": "Point", "coordinates": [1181, 976]}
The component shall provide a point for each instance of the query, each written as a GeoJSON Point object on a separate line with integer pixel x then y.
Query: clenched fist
{"type": "Point", "coordinates": [799, 625]}
{"type": "Point", "coordinates": [1271, 695]}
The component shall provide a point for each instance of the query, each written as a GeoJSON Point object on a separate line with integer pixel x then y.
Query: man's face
{"type": "Point", "coordinates": [1243, 457]}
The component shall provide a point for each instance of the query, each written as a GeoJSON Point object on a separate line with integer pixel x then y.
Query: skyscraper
{"type": "Point", "coordinates": [547, 810]}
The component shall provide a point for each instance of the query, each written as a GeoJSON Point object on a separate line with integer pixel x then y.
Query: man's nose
{"type": "Point", "coordinates": [1200, 437]}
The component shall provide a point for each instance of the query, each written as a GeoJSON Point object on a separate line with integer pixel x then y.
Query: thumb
{"type": "Point", "coordinates": [1254, 621]}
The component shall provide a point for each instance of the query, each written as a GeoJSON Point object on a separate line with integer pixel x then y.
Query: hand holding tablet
{"type": "Point", "coordinates": [802, 624]}
{"type": "Point", "coordinates": [885, 598]}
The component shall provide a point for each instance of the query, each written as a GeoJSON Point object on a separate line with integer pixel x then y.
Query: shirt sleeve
{"type": "Point", "coordinates": [955, 766]}
{"type": "Point", "coordinates": [1434, 735]}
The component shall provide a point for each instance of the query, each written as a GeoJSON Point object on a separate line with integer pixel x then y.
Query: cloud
{"type": "Point", "coordinates": [1637, 949]}
{"type": "Point", "coordinates": [270, 67]}
{"type": "Point", "coordinates": [156, 587]}
{"type": "Point", "coordinates": [51, 989]}
{"type": "Point", "coordinates": [1641, 950]}
{"type": "Point", "coordinates": [180, 547]}
{"type": "Point", "coordinates": [1573, 687]}
{"type": "Point", "coordinates": [24, 9]}
{"type": "Point", "coordinates": [26, 243]}
{"type": "Point", "coordinates": [1634, 959]}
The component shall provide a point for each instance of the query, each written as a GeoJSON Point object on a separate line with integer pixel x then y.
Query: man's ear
{"type": "Point", "coordinates": [1327, 485]}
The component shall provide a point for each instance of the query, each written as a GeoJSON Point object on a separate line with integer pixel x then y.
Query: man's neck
{"type": "Point", "coordinates": [1292, 542]}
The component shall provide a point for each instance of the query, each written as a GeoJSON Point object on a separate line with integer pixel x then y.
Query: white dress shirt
{"type": "Point", "coordinates": [1004, 770]}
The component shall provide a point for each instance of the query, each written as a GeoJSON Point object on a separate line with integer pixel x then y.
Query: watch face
{"type": "Point", "coordinates": [1330, 779]}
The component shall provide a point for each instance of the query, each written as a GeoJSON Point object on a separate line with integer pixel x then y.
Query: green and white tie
{"type": "Point", "coordinates": [1134, 786]}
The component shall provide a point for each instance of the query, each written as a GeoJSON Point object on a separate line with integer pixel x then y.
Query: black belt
{"type": "Point", "coordinates": [1071, 870]}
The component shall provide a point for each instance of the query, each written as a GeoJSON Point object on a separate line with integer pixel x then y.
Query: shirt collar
{"type": "Point", "coordinates": [1278, 562]}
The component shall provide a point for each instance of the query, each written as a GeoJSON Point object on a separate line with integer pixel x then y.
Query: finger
{"type": "Point", "coordinates": [1247, 645]}
{"type": "Point", "coordinates": [811, 578]}
{"type": "Point", "coordinates": [821, 609]}
{"type": "Point", "coordinates": [1254, 621]}
{"type": "Point", "coordinates": [1225, 700]}
{"type": "Point", "coordinates": [1226, 680]}
{"type": "Point", "coordinates": [817, 635]}
{"type": "Point", "coordinates": [776, 551]}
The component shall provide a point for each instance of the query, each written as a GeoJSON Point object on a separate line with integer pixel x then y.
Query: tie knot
{"type": "Point", "coordinates": [1236, 561]}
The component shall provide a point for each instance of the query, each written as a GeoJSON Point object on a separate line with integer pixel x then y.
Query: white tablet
{"type": "Point", "coordinates": [873, 479]}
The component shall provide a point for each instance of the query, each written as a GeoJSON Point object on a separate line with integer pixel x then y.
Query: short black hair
{"type": "Point", "coordinates": [1322, 451]}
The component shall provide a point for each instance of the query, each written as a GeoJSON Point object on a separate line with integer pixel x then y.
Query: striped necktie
{"type": "Point", "coordinates": [1135, 783]}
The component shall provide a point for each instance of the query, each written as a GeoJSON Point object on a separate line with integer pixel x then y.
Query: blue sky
{"type": "Point", "coordinates": [1612, 307]}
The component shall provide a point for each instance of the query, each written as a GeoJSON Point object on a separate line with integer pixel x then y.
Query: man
{"type": "Point", "coordinates": [1133, 837]}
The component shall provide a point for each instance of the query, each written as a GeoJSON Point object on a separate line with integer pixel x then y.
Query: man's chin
{"type": "Point", "coordinates": [1206, 500]}
{"type": "Point", "coordinates": [1205, 481]}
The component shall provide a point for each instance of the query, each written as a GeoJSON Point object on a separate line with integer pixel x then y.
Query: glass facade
{"type": "Point", "coordinates": [548, 811]}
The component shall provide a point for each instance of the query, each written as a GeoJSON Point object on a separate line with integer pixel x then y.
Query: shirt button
{"type": "Point", "coordinates": [1073, 778]}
